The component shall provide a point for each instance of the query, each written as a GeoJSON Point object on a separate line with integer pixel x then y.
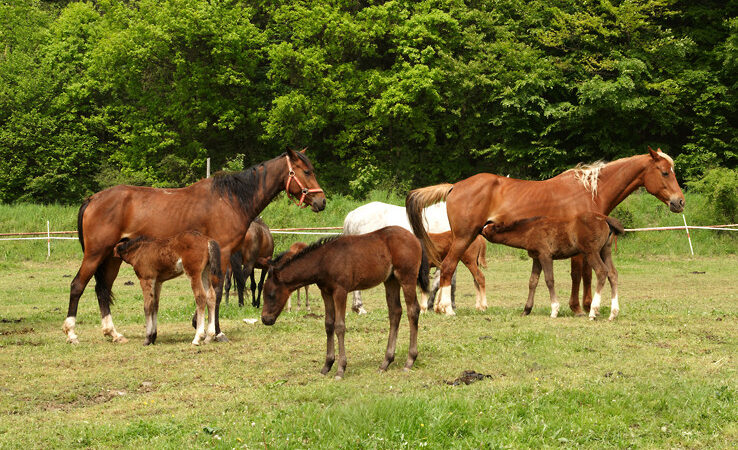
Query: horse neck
{"type": "Point", "coordinates": [301, 271]}
{"type": "Point", "coordinates": [618, 180]}
{"type": "Point", "coordinates": [275, 178]}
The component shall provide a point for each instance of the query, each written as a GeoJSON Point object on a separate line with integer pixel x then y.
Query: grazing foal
{"type": "Point", "coordinates": [549, 238]}
{"type": "Point", "coordinates": [158, 260]}
{"type": "Point", "coordinates": [339, 265]}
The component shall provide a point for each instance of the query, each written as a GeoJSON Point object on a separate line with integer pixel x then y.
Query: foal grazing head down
{"type": "Point", "coordinates": [660, 180]}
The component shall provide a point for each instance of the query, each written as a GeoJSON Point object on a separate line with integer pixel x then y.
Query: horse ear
{"type": "Point", "coordinates": [303, 150]}
{"type": "Point", "coordinates": [264, 262]}
{"type": "Point", "coordinates": [291, 154]}
{"type": "Point", "coordinates": [654, 154]}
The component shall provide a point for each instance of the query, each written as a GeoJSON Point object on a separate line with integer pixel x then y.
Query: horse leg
{"type": "Point", "coordinates": [413, 312]}
{"type": "Point", "coordinates": [103, 289]}
{"type": "Point", "coordinates": [576, 278]}
{"type": "Point", "coordinates": [394, 308]}
{"type": "Point", "coordinates": [535, 274]}
{"type": "Point", "coordinates": [330, 318]}
{"type": "Point", "coordinates": [601, 270]}
{"type": "Point", "coordinates": [240, 279]}
{"type": "Point", "coordinates": [201, 302]}
{"type": "Point", "coordinates": [261, 285]}
{"type": "Point", "coordinates": [227, 285]}
{"type": "Point", "coordinates": [307, 304]}
{"type": "Point", "coordinates": [255, 301]}
{"type": "Point", "coordinates": [448, 267]}
{"type": "Point", "coordinates": [339, 302]}
{"type": "Point", "coordinates": [586, 285]}
{"type": "Point", "coordinates": [453, 289]}
{"type": "Point", "coordinates": [426, 302]}
{"type": "Point", "coordinates": [225, 259]}
{"type": "Point", "coordinates": [612, 276]}
{"type": "Point", "coordinates": [547, 264]}
{"type": "Point", "coordinates": [210, 302]}
{"type": "Point", "coordinates": [357, 306]}
{"type": "Point", "coordinates": [86, 271]}
{"type": "Point", "coordinates": [148, 287]}
{"type": "Point", "coordinates": [479, 284]}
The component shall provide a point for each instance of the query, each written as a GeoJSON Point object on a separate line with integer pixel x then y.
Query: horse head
{"type": "Point", "coordinates": [660, 180]}
{"type": "Point", "coordinates": [301, 182]}
{"type": "Point", "coordinates": [275, 294]}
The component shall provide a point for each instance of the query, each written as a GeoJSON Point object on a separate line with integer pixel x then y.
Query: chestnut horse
{"type": "Point", "coordinates": [547, 238]}
{"type": "Point", "coordinates": [341, 264]}
{"type": "Point", "coordinates": [258, 243]}
{"type": "Point", "coordinates": [484, 198]}
{"type": "Point", "coordinates": [158, 260]}
{"type": "Point", "coordinates": [473, 257]}
{"type": "Point", "coordinates": [221, 207]}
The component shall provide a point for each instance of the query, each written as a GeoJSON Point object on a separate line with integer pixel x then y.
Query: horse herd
{"type": "Point", "coordinates": [209, 228]}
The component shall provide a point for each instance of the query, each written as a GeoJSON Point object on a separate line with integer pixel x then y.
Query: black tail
{"type": "Point", "coordinates": [214, 259]}
{"type": "Point", "coordinates": [423, 280]}
{"type": "Point", "coordinates": [81, 214]}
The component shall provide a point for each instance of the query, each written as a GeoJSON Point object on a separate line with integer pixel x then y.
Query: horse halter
{"type": "Point", "coordinates": [305, 191]}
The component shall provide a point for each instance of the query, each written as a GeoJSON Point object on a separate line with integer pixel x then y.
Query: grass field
{"type": "Point", "coordinates": [664, 375]}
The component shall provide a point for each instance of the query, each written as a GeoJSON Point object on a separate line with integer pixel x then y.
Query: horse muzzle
{"type": "Point", "coordinates": [268, 320]}
{"type": "Point", "coordinates": [318, 204]}
{"type": "Point", "coordinates": [676, 205]}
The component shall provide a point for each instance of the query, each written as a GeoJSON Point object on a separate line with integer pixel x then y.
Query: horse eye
{"type": "Point", "coordinates": [307, 172]}
{"type": "Point", "coordinates": [666, 174]}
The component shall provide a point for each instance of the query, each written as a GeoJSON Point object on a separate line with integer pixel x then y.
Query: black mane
{"type": "Point", "coordinates": [278, 263]}
{"type": "Point", "coordinates": [242, 186]}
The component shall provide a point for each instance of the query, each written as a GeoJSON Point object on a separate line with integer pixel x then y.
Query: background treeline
{"type": "Point", "coordinates": [391, 94]}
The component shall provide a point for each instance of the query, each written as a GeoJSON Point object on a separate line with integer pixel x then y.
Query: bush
{"type": "Point", "coordinates": [720, 186]}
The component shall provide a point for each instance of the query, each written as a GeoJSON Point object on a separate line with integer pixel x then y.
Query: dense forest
{"type": "Point", "coordinates": [392, 94]}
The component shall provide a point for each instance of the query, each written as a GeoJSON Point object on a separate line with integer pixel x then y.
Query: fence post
{"type": "Point", "coordinates": [48, 240]}
{"type": "Point", "coordinates": [688, 237]}
{"type": "Point", "coordinates": [207, 171]}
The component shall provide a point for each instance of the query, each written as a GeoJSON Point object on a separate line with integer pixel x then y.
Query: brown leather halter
{"type": "Point", "coordinates": [305, 191]}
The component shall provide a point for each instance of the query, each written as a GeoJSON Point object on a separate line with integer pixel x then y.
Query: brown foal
{"type": "Point", "coordinates": [339, 265]}
{"type": "Point", "coordinates": [158, 260]}
{"type": "Point", "coordinates": [258, 243]}
{"type": "Point", "coordinates": [548, 238]}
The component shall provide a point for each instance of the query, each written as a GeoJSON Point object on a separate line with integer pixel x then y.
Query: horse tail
{"type": "Point", "coordinates": [482, 255]}
{"type": "Point", "coordinates": [80, 215]}
{"type": "Point", "coordinates": [415, 201]}
{"type": "Point", "coordinates": [214, 259]}
{"type": "Point", "coordinates": [616, 227]}
{"type": "Point", "coordinates": [423, 280]}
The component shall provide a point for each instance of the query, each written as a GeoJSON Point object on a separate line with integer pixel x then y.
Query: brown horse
{"type": "Point", "coordinates": [221, 207]}
{"type": "Point", "coordinates": [472, 258]}
{"type": "Point", "coordinates": [483, 198]}
{"type": "Point", "coordinates": [258, 243]}
{"type": "Point", "coordinates": [547, 238]}
{"type": "Point", "coordinates": [339, 265]}
{"type": "Point", "coordinates": [158, 260]}
{"type": "Point", "coordinates": [294, 249]}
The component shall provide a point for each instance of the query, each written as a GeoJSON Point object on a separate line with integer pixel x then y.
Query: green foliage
{"type": "Point", "coordinates": [384, 94]}
{"type": "Point", "coordinates": [720, 187]}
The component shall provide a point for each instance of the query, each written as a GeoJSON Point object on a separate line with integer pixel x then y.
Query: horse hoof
{"type": "Point", "coordinates": [221, 337]}
{"type": "Point", "coordinates": [73, 341]}
{"type": "Point", "coordinates": [580, 314]}
{"type": "Point", "coordinates": [196, 342]}
{"type": "Point", "coordinates": [592, 318]}
{"type": "Point", "coordinates": [120, 340]}
{"type": "Point", "coordinates": [338, 378]}
{"type": "Point", "coordinates": [361, 311]}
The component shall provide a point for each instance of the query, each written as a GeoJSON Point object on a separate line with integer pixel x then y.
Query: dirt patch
{"type": "Point", "coordinates": [19, 331]}
{"type": "Point", "coordinates": [313, 316]}
{"type": "Point", "coordinates": [468, 377]}
{"type": "Point", "coordinates": [3, 320]}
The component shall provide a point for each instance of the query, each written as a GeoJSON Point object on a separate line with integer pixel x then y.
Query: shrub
{"type": "Point", "coordinates": [720, 186]}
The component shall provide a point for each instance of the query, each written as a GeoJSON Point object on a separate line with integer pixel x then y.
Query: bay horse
{"type": "Point", "coordinates": [158, 260]}
{"type": "Point", "coordinates": [221, 207]}
{"type": "Point", "coordinates": [258, 243]}
{"type": "Point", "coordinates": [485, 197]}
{"type": "Point", "coordinates": [473, 257]}
{"type": "Point", "coordinates": [375, 215]}
{"type": "Point", "coordinates": [294, 249]}
{"type": "Point", "coordinates": [547, 238]}
{"type": "Point", "coordinates": [341, 264]}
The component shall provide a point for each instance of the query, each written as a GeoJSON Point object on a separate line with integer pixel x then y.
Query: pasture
{"type": "Point", "coordinates": [663, 375]}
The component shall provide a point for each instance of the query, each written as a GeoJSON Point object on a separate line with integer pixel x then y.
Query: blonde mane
{"type": "Point", "coordinates": [589, 175]}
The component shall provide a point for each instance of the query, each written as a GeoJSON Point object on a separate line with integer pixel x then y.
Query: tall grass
{"type": "Point", "coordinates": [638, 210]}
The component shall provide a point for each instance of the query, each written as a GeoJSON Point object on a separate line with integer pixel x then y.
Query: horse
{"type": "Point", "coordinates": [485, 197]}
{"type": "Point", "coordinates": [341, 264]}
{"type": "Point", "coordinates": [473, 257]}
{"type": "Point", "coordinates": [376, 215]}
{"type": "Point", "coordinates": [547, 238]}
{"type": "Point", "coordinates": [257, 243]}
{"type": "Point", "coordinates": [221, 207]}
{"type": "Point", "coordinates": [158, 260]}
{"type": "Point", "coordinates": [294, 249]}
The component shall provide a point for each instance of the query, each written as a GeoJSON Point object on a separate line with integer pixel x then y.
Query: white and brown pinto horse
{"type": "Point", "coordinates": [339, 265]}
{"type": "Point", "coordinates": [485, 198]}
{"type": "Point", "coordinates": [547, 238]}
{"type": "Point", "coordinates": [221, 207]}
{"type": "Point", "coordinates": [158, 260]}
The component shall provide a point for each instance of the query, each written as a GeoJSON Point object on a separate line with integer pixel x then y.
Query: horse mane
{"type": "Point", "coordinates": [243, 186]}
{"type": "Point", "coordinates": [126, 245]}
{"type": "Point", "coordinates": [589, 175]}
{"type": "Point", "coordinates": [278, 263]}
